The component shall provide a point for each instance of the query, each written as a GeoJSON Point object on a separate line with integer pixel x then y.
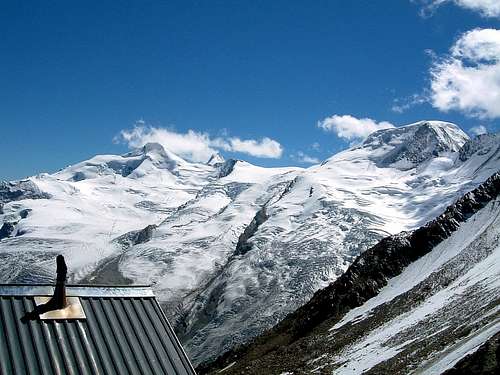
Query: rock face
{"type": "Point", "coordinates": [20, 190]}
{"type": "Point", "coordinates": [136, 237]}
{"type": "Point", "coordinates": [7, 229]}
{"type": "Point", "coordinates": [215, 159]}
{"type": "Point", "coordinates": [412, 145]}
{"type": "Point", "coordinates": [484, 361]}
{"type": "Point", "coordinates": [481, 145]}
{"type": "Point", "coordinates": [314, 337]}
{"type": "Point", "coordinates": [225, 168]}
{"type": "Point", "coordinates": [243, 245]}
{"type": "Point", "coordinates": [232, 248]}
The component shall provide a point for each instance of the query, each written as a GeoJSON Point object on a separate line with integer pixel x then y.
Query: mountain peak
{"type": "Point", "coordinates": [158, 154]}
{"type": "Point", "coordinates": [407, 146]}
{"type": "Point", "coordinates": [153, 147]}
{"type": "Point", "coordinates": [447, 133]}
{"type": "Point", "coordinates": [216, 158]}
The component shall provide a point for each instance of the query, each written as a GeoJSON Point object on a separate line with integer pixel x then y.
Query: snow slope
{"type": "Point", "coordinates": [231, 248]}
{"type": "Point", "coordinates": [90, 204]}
{"type": "Point", "coordinates": [416, 302]}
{"type": "Point", "coordinates": [326, 216]}
{"type": "Point", "coordinates": [460, 306]}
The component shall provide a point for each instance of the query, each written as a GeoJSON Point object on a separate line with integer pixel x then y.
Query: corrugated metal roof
{"type": "Point", "coordinates": [125, 332]}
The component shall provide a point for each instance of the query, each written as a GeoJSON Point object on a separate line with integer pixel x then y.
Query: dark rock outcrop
{"type": "Point", "coordinates": [24, 213]}
{"type": "Point", "coordinates": [18, 190]}
{"type": "Point", "coordinates": [7, 229]}
{"type": "Point", "coordinates": [136, 237]}
{"type": "Point", "coordinates": [484, 361]}
{"type": "Point", "coordinates": [226, 168]}
{"type": "Point", "coordinates": [78, 176]}
{"type": "Point", "coordinates": [215, 160]}
{"type": "Point", "coordinates": [243, 245]}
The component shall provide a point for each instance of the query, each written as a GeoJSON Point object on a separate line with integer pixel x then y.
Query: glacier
{"type": "Point", "coordinates": [421, 301]}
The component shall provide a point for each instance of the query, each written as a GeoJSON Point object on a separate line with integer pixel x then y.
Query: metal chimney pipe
{"type": "Point", "coordinates": [58, 300]}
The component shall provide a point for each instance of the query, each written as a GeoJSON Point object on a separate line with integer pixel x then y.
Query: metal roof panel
{"type": "Point", "coordinates": [125, 332]}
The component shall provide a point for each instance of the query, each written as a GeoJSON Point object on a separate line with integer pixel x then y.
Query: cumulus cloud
{"type": "Point", "coordinates": [468, 79]}
{"type": "Point", "coordinates": [197, 146]}
{"type": "Point", "coordinates": [192, 145]}
{"type": "Point", "coordinates": [301, 157]}
{"type": "Point", "coordinates": [478, 130]}
{"type": "Point", "coordinates": [264, 148]}
{"type": "Point", "coordinates": [350, 127]}
{"type": "Point", "coordinates": [487, 8]}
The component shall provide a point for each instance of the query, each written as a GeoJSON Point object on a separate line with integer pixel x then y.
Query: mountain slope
{"type": "Point", "coordinates": [231, 248]}
{"type": "Point", "coordinates": [87, 205]}
{"type": "Point", "coordinates": [325, 217]}
{"type": "Point", "coordinates": [418, 300]}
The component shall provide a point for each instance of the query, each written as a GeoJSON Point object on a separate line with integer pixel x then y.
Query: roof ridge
{"type": "Point", "coordinates": [78, 290]}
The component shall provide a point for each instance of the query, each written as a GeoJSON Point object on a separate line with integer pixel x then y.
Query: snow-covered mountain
{"type": "Point", "coordinates": [416, 302]}
{"type": "Point", "coordinates": [89, 205]}
{"type": "Point", "coordinates": [231, 248]}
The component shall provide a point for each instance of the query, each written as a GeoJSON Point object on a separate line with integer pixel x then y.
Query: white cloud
{"type": "Point", "coordinates": [350, 127]}
{"type": "Point", "coordinates": [264, 148]}
{"type": "Point", "coordinates": [316, 146]}
{"type": "Point", "coordinates": [487, 8]}
{"type": "Point", "coordinates": [197, 146]}
{"type": "Point", "coordinates": [192, 145]}
{"type": "Point", "coordinates": [402, 105]}
{"type": "Point", "coordinates": [478, 130]}
{"type": "Point", "coordinates": [301, 157]}
{"type": "Point", "coordinates": [468, 80]}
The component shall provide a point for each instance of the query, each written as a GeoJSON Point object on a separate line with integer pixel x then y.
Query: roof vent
{"type": "Point", "coordinates": [58, 300]}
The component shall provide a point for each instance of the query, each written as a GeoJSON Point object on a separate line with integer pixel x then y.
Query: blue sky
{"type": "Point", "coordinates": [75, 74]}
